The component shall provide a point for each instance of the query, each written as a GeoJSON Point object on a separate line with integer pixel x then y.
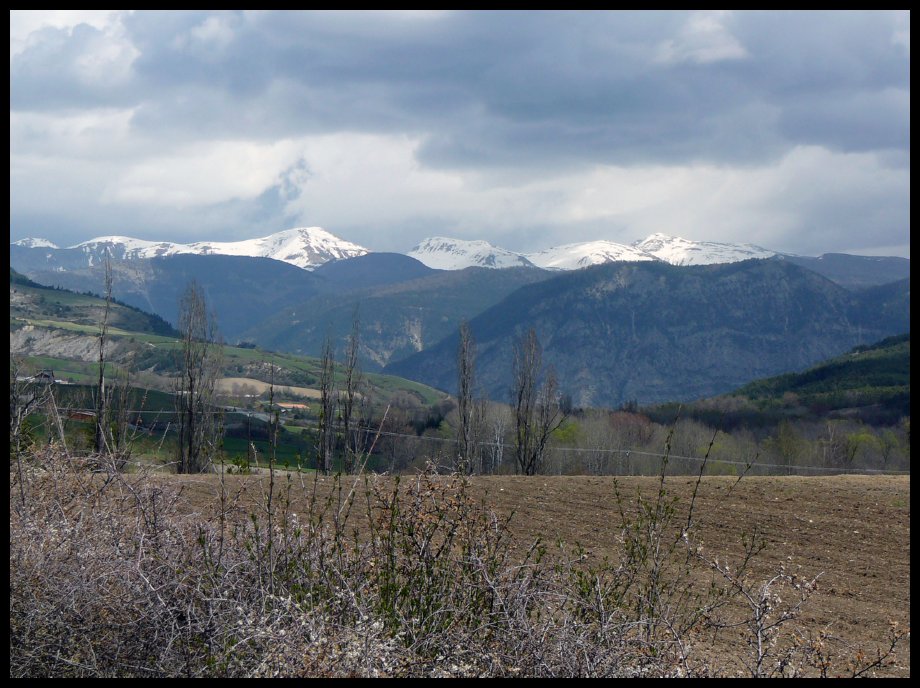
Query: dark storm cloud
{"type": "Point", "coordinates": [504, 88]}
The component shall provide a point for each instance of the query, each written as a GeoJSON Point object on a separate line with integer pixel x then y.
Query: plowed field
{"type": "Point", "coordinates": [851, 531]}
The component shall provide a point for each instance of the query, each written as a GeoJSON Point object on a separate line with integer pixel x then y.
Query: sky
{"type": "Point", "coordinates": [527, 129]}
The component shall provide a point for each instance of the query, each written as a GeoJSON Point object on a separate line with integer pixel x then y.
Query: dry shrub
{"type": "Point", "coordinates": [108, 577]}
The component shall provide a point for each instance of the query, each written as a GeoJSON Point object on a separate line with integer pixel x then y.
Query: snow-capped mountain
{"type": "Point", "coordinates": [678, 251]}
{"type": "Point", "coordinates": [309, 247]}
{"type": "Point", "coordinates": [305, 247]}
{"type": "Point", "coordinates": [34, 242]}
{"type": "Point", "coordinates": [125, 248]}
{"type": "Point", "coordinates": [442, 253]}
{"type": "Point", "coordinates": [455, 254]}
{"type": "Point", "coordinates": [575, 256]}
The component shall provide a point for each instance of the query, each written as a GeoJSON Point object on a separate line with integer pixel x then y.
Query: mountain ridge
{"type": "Point", "coordinates": [311, 247]}
{"type": "Point", "coordinates": [654, 332]}
{"type": "Point", "coordinates": [303, 247]}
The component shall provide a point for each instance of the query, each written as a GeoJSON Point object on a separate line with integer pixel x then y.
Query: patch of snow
{"type": "Point", "coordinates": [35, 242]}
{"type": "Point", "coordinates": [582, 255]}
{"type": "Point", "coordinates": [678, 251]}
{"type": "Point", "coordinates": [442, 253]}
{"type": "Point", "coordinates": [305, 247]}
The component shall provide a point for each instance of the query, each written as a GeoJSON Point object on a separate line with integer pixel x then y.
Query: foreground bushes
{"type": "Point", "coordinates": [110, 575]}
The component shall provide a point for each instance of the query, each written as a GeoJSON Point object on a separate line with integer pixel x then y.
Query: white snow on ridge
{"type": "Point", "coordinates": [129, 248]}
{"type": "Point", "coordinates": [442, 253]}
{"type": "Point", "coordinates": [305, 247]}
{"type": "Point", "coordinates": [455, 254]}
{"type": "Point", "coordinates": [575, 256]}
{"type": "Point", "coordinates": [35, 242]}
{"type": "Point", "coordinates": [678, 251]}
{"type": "Point", "coordinates": [309, 247]}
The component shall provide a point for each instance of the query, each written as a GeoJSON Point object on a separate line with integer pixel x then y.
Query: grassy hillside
{"type": "Point", "coordinates": [32, 301]}
{"type": "Point", "coordinates": [870, 384]}
{"type": "Point", "coordinates": [875, 375]}
{"type": "Point", "coordinates": [58, 329]}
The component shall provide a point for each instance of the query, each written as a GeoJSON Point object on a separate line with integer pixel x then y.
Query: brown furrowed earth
{"type": "Point", "coordinates": [853, 532]}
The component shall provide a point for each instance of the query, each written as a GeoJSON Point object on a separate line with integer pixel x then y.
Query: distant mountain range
{"type": "Point", "coordinates": [310, 247]}
{"type": "Point", "coordinates": [663, 319]}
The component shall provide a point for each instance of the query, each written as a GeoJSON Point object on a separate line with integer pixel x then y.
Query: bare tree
{"type": "Point", "coordinates": [537, 411]}
{"type": "Point", "coordinates": [464, 460]}
{"type": "Point", "coordinates": [327, 397]}
{"type": "Point", "coordinates": [26, 397]}
{"type": "Point", "coordinates": [527, 360]}
{"type": "Point", "coordinates": [352, 380]}
{"type": "Point", "coordinates": [125, 412]}
{"type": "Point", "coordinates": [198, 370]}
{"type": "Point", "coordinates": [494, 427]}
{"type": "Point", "coordinates": [480, 434]}
{"type": "Point", "coordinates": [101, 393]}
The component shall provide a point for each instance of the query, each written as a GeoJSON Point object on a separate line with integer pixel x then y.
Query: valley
{"type": "Point", "coordinates": [459, 344]}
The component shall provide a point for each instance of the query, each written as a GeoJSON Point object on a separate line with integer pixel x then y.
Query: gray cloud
{"type": "Point", "coordinates": [588, 85]}
{"type": "Point", "coordinates": [70, 69]}
{"type": "Point", "coordinates": [510, 95]}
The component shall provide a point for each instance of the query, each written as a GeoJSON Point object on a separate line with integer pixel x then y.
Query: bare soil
{"type": "Point", "coordinates": [852, 531]}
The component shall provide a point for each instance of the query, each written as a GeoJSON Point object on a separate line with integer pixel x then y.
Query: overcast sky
{"type": "Point", "coordinates": [787, 130]}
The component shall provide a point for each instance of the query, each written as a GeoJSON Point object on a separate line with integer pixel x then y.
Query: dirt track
{"type": "Point", "coordinates": [852, 530]}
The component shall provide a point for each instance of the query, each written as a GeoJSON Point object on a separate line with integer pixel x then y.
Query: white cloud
{"type": "Point", "coordinates": [802, 203]}
{"type": "Point", "coordinates": [203, 174]}
{"type": "Point", "coordinates": [799, 203]}
{"type": "Point", "coordinates": [23, 23]}
{"type": "Point", "coordinates": [103, 132]}
{"type": "Point", "coordinates": [369, 180]}
{"type": "Point", "coordinates": [702, 39]}
{"type": "Point", "coordinates": [901, 35]}
{"type": "Point", "coordinates": [210, 38]}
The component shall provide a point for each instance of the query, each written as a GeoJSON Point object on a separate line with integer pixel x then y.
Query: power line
{"type": "Point", "coordinates": [627, 453]}
{"type": "Point", "coordinates": [630, 452]}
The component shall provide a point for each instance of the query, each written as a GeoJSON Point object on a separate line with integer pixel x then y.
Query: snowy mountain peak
{"type": "Point", "coordinates": [305, 247]}
{"type": "Point", "coordinates": [575, 256]}
{"type": "Point", "coordinates": [35, 242]}
{"type": "Point", "coordinates": [128, 248]}
{"type": "Point", "coordinates": [679, 251]}
{"type": "Point", "coordinates": [442, 253]}
{"type": "Point", "coordinates": [309, 247]}
{"type": "Point", "coordinates": [455, 254]}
